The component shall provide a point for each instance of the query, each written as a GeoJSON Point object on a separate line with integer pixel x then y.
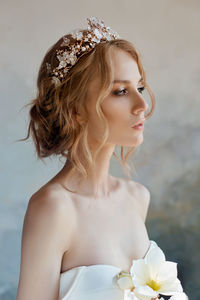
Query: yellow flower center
{"type": "Point", "coordinates": [154, 285]}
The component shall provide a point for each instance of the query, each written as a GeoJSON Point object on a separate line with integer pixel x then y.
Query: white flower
{"type": "Point", "coordinates": [153, 275]}
{"type": "Point", "coordinates": [77, 34]}
{"type": "Point", "coordinates": [97, 33]}
{"type": "Point", "coordinates": [179, 296]}
{"type": "Point", "coordinates": [65, 55]}
{"type": "Point", "coordinates": [96, 40]}
{"type": "Point", "coordinates": [66, 41]}
{"type": "Point", "coordinates": [55, 81]}
{"type": "Point", "coordinates": [145, 292]}
{"type": "Point", "coordinates": [128, 295]}
{"type": "Point", "coordinates": [124, 280]}
{"type": "Point", "coordinates": [62, 64]}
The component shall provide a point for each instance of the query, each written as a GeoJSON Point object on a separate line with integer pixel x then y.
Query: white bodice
{"type": "Point", "coordinates": [94, 282]}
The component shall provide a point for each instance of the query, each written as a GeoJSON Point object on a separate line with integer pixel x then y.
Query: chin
{"type": "Point", "coordinates": [137, 141]}
{"type": "Point", "coordinates": [131, 144]}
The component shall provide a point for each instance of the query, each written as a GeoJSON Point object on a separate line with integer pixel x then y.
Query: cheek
{"type": "Point", "coordinates": [116, 112]}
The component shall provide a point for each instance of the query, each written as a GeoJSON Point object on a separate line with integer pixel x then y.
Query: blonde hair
{"type": "Point", "coordinates": [53, 126]}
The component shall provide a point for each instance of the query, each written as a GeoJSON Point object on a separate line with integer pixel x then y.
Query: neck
{"type": "Point", "coordinates": [99, 182]}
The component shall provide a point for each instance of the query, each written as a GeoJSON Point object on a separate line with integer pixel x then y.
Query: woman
{"type": "Point", "coordinates": [84, 226]}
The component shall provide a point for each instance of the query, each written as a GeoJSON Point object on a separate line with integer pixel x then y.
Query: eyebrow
{"type": "Point", "coordinates": [125, 81]}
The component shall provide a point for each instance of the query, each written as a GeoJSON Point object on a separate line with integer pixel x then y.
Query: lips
{"type": "Point", "coordinates": [141, 122]}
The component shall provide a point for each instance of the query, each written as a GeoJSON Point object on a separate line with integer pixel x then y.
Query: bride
{"type": "Point", "coordinates": [84, 226]}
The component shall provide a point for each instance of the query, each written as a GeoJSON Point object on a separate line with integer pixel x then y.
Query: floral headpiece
{"type": "Point", "coordinates": [96, 32]}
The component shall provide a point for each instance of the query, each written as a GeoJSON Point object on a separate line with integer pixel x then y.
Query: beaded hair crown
{"type": "Point", "coordinates": [83, 42]}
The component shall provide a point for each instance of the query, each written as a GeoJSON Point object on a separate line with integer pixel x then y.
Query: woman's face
{"type": "Point", "coordinates": [123, 107]}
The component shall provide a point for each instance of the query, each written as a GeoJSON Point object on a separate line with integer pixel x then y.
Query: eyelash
{"type": "Point", "coordinates": [118, 91]}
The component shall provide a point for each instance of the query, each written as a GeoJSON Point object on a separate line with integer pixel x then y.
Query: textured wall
{"type": "Point", "coordinates": [168, 162]}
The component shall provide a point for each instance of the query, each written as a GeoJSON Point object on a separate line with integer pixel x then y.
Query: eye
{"type": "Point", "coordinates": [141, 89]}
{"type": "Point", "coordinates": [118, 92]}
{"type": "Point", "coordinates": [123, 92]}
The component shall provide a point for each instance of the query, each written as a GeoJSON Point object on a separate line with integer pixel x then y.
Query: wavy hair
{"type": "Point", "coordinates": [53, 125]}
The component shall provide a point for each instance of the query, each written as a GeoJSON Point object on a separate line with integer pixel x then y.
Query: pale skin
{"type": "Point", "coordinates": [105, 222]}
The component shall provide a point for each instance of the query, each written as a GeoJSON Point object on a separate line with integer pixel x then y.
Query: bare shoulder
{"type": "Point", "coordinates": [51, 196]}
{"type": "Point", "coordinates": [142, 195]}
{"type": "Point", "coordinates": [52, 205]}
{"type": "Point", "coordinates": [46, 236]}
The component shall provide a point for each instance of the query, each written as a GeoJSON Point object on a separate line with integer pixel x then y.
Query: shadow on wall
{"type": "Point", "coordinates": [175, 225]}
{"type": "Point", "coordinates": [9, 293]}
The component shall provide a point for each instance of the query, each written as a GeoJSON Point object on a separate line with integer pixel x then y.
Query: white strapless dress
{"type": "Point", "coordinates": [94, 282]}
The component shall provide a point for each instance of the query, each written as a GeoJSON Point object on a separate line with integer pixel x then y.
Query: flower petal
{"type": "Point", "coordinates": [145, 292]}
{"type": "Point", "coordinates": [140, 272]}
{"type": "Point", "coordinates": [128, 295]}
{"type": "Point", "coordinates": [125, 282]}
{"type": "Point", "coordinates": [179, 296]}
{"type": "Point", "coordinates": [168, 271]}
{"type": "Point", "coordinates": [172, 288]}
{"type": "Point", "coordinates": [155, 257]}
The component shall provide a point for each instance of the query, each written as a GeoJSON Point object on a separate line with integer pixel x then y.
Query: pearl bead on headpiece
{"type": "Point", "coordinates": [83, 43]}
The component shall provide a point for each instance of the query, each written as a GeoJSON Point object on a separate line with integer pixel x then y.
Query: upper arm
{"type": "Point", "coordinates": [42, 247]}
{"type": "Point", "coordinates": [142, 195]}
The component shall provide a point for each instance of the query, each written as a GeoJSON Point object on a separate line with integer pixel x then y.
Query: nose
{"type": "Point", "coordinates": [139, 105]}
